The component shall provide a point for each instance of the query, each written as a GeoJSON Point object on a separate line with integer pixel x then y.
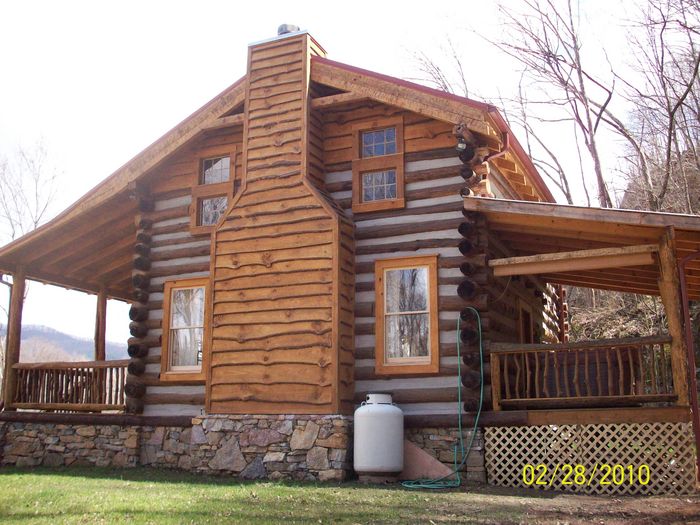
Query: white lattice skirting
{"type": "Point", "coordinates": [536, 457]}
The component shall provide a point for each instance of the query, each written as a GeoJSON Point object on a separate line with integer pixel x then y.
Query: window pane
{"type": "Point", "coordinates": [186, 346]}
{"type": "Point", "coordinates": [406, 290]}
{"type": "Point", "coordinates": [216, 170]}
{"type": "Point", "coordinates": [211, 210]}
{"type": "Point", "coordinates": [379, 185]}
{"type": "Point", "coordinates": [407, 335]}
{"type": "Point", "coordinates": [379, 142]}
{"type": "Point", "coordinates": [187, 308]}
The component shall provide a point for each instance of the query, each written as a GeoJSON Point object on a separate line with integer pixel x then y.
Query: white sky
{"type": "Point", "coordinates": [99, 81]}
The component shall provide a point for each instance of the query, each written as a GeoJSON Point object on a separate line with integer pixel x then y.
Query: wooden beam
{"type": "Point", "coordinates": [669, 288]}
{"type": "Point", "coordinates": [14, 336]}
{"type": "Point", "coordinates": [100, 325]}
{"type": "Point", "coordinates": [336, 100]}
{"type": "Point", "coordinates": [596, 259]}
{"type": "Point", "coordinates": [548, 213]}
{"type": "Point", "coordinates": [389, 91]}
{"type": "Point", "coordinates": [675, 414]}
{"type": "Point", "coordinates": [225, 122]}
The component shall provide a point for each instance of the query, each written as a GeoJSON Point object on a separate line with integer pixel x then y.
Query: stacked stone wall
{"type": "Point", "coordinates": [313, 448]}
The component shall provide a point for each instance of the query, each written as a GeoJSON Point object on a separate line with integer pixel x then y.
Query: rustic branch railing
{"type": "Point", "coordinates": [81, 386]}
{"type": "Point", "coordinates": [604, 373]}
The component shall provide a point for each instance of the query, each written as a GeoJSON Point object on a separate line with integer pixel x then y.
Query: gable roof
{"type": "Point", "coordinates": [108, 203]}
{"type": "Point", "coordinates": [479, 116]}
{"type": "Point", "coordinates": [78, 233]}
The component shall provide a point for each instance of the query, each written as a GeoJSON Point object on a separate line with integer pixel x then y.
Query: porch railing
{"type": "Point", "coordinates": [81, 386]}
{"type": "Point", "coordinates": [603, 373]}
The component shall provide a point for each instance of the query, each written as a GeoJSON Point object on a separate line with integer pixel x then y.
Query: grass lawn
{"type": "Point", "coordinates": [93, 495]}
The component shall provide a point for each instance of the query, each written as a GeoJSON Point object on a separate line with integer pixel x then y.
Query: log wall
{"type": "Point", "coordinates": [174, 254]}
{"type": "Point", "coordinates": [428, 225]}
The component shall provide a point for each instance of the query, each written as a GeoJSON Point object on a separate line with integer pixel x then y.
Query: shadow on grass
{"type": "Point", "coordinates": [162, 475]}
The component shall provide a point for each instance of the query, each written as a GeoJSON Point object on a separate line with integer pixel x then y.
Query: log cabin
{"type": "Point", "coordinates": [318, 232]}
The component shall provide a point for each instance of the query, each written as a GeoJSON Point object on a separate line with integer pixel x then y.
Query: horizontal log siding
{"type": "Point", "coordinates": [277, 261]}
{"type": "Point", "coordinates": [188, 257]}
{"type": "Point", "coordinates": [427, 225]}
{"type": "Point", "coordinates": [176, 254]}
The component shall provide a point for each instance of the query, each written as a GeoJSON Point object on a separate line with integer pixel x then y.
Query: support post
{"type": "Point", "coordinates": [669, 288]}
{"type": "Point", "coordinates": [14, 336]}
{"type": "Point", "coordinates": [101, 325]}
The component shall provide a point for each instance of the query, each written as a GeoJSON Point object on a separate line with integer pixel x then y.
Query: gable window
{"type": "Point", "coordinates": [184, 330]}
{"type": "Point", "coordinates": [406, 328]}
{"type": "Point", "coordinates": [213, 188]}
{"type": "Point", "coordinates": [378, 165]}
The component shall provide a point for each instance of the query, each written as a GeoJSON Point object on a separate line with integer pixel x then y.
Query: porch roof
{"type": "Point", "coordinates": [533, 228]}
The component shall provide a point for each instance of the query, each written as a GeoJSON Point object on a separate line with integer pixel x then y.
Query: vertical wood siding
{"type": "Point", "coordinates": [277, 268]}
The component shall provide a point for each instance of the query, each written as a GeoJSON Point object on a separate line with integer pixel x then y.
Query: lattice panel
{"type": "Point", "coordinates": [667, 448]}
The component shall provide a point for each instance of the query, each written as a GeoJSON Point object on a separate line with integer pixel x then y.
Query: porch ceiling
{"type": "Point", "coordinates": [87, 252]}
{"type": "Point", "coordinates": [532, 228]}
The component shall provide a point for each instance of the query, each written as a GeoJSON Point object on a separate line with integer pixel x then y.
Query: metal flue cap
{"type": "Point", "coordinates": [287, 28]}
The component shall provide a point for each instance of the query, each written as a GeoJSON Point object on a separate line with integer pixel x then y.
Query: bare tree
{"type": "Point", "coordinates": [544, 39]}
{"type": "Point", "coordinates": [665, 130]}
{"type": "Point", "coordinates": [28, 186]}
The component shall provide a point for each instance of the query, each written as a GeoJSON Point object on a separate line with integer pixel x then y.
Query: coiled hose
{"type": "Point", "coordinates": [443, 482]}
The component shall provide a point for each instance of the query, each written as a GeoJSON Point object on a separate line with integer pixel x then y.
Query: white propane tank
{"type": "Point", "coordinates": [378, 442]}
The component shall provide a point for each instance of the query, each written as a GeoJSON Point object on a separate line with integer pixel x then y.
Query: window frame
{"type": "Point", "coordinates": [406, 366]}
{"type": "Point", "coordinates": [191, 374]}
{"type": "Point", "coordinates": [361, 165]}
{"type": "Point", "coordinates": [202, 191]}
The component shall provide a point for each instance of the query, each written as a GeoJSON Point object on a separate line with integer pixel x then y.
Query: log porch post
{"type": "Point", "coordinates": [100, 325]}
{"type": "Point", "coordinates": [14, 335]}
{"type": "Point", "coordinates": [669, 288]}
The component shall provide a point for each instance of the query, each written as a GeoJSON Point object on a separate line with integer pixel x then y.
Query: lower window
{"type": "Point", "coordinates": [407, 331]}
{"type": "Point", "coordinates": [184, 329]}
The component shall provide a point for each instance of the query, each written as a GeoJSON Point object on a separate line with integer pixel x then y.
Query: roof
{"type": "Point", "coordinates": [531, 228]}
{"type": "Point", "coordinates": [89, 246]}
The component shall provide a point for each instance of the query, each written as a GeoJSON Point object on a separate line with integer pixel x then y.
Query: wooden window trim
{"type": "Point", "coordinates": [166, 374]}
{"type": "Point", "coordinates": [204, 191]}
{"type": "Point", "coordinates": [431, 367]}
{"type": "Point", "coordinates": [382, 162]}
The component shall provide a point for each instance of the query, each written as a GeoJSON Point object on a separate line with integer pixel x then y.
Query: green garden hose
{"type": "Point", "coordinates": [443, 482]}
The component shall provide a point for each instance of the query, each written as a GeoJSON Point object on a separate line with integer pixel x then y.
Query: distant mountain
{"type": "Point", "coordinates": [42, 344]}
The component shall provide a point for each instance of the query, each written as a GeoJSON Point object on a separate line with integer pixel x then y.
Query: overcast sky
{"type": "Point", "coordinates": [99, 81]}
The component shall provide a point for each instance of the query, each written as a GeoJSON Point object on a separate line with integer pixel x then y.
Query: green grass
{"type": "Point", "coordinates": [93, 495]}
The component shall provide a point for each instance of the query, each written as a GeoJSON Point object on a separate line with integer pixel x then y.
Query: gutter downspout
{"type": "Point", "coordinates": [692, 383]}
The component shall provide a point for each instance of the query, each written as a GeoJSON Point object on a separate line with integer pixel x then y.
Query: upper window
{"type": "Point", "coordinates": [378, 165]}
{"type": "Point", "coordinates": [407, 331]}
{"type": "Point", "coordinates": [379, 142]}
{"type": "Point", "coordinates": [213, 188]}
{"type": "Point", "coordinates": [184, 330]}
{"type": "Point", "coordinates": [216, 170]}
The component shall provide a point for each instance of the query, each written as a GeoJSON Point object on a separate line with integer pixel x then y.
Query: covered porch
{"type": "Point", "coordinates": [89, 252]}
{"type": "Point", "coordinates": [630, 379]}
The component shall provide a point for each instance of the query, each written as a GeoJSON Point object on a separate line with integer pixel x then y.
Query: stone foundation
{"type": "Point", "coordinates": [313, 448]}
{"type": "Point", "coordinates": [441, 442]}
